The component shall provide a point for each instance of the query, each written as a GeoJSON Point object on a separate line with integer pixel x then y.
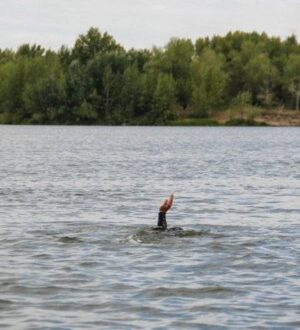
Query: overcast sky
{"type": "Point", "coordinates": [141, 23]}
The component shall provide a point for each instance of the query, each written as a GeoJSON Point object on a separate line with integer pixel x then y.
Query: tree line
{"type": "Point", "coordinates": [100, 82]}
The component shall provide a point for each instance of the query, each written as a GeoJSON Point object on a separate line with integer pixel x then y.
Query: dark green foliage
{"type": "Point", "coordinates": [292, 78]}
{"type": "Point", "coordinates": [194, 122]}
{"type": "Point", "coordinates": [179, 54]}
{"type": "Point", "coordinates": [44, 90]}
{"type": "Point", "coordinates": [98, 81]}
{"type": "Point", "coordinates": [93, 43]}
{"type": "Point", "coordinates": [261, 77]}
{"type": "Point", "coordinates": [242, 110]}
{"type": "Point", "coordinates": [6, 55]}
{"type": "Point", "coordinates": [164, 99]}
{"type": "Point", "coordinates": [244, 122]}
{"type": "Point", "coordinates": [209, 82]}
{"type": "Point", "coordinates": [30, 51]}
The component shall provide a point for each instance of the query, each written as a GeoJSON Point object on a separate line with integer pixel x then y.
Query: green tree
{"type": "Point", "coordinates": [131, 91]}
{"type": "Point", "coordinates": [85, 113]}
{"type": "Point", "coordinates": [108, 84]}
{"type": "Point", "coordinates": [99, 81]}
{"type": "Point", "coordinates": [139, 57]}
{"type": "Point", "coordinates": [241, 108]}
{"type": "Point", "coordinates": [292, 78]}
{"type": "Point", "coordinates": [178, 54]}
{"type": "Point", "coordinates": [261, 77]}
{"type": "Point", "coordinates": [6, 55]}
{"type": "Point", "coordinates": [209, 82]}
{"type": "Point", "coordinates": [12, 82]}
{"type": "Point", "coordinates": [44, 90]}
{"type": "Point", "coordinates": [92, 43]}
{"type": "Point", "coordinates": [29, 51]}
{"type": "Point", "coordinates": [77, 85]}
{"type": "Point", "coordinates": [65, 56]}
{"type": "Point", "coordinates": [164, 99]}
{"type": "Point", "coordinates": [201, 44]}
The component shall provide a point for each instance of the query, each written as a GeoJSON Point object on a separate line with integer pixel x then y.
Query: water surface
{"type": "Point", "coordinates": [76, 251]}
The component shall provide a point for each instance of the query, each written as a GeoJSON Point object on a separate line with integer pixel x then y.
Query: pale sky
{"type": "Point", "coordinates": [141, 23]}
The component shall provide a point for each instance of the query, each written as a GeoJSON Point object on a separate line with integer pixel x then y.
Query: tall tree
{"type": "Point", "coordinates": [292, 78]}
{"type": "Point", "coordinates": [131, 91]}
{"type": "Point", "coordinates": [6, 55]}
{"type": "Point", "coordinates": [29, 51]}
{"type": "Point", "coordinates": [93, 42]}
{"type": "Point", "coordinates": [164, 99]}
{"type": "Point", "coordinates": [261, 76]}
{"type": "Point", "coordinates": [44, 90]}
{"type": "Point", "coordinates": [108, 84]}
{"type": "Point", "coordinates": [77, 85]}
{"type": "Point", "coordinates": [12, 82]}
{"type": "Point", "coordinates": [208, 82]}
{"type": "Point", "coordinates": [179, 53]}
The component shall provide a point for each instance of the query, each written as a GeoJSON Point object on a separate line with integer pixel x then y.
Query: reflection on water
{"type": "Point", "coordinates": [76, 245]}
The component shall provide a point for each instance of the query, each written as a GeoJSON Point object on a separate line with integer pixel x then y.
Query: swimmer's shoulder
{"type": "Point", "coordinates": [160, 228]}
{"type": "Point", "coordinates": [175, 229]}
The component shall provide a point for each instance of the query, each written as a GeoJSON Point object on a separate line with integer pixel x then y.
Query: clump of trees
{"type": "Point", "coordinates": [98, 81]}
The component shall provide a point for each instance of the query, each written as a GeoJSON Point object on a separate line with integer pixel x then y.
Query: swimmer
{"type": "Point", "coordinates": [164, 208]}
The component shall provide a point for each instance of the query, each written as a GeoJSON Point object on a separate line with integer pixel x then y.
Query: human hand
{"type": "Point", "coordinates": [167, 204]}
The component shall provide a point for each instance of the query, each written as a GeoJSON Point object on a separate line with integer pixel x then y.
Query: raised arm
{"type": "Point", "coordinates": [170, 201]}
{"type": "Point", "coordinates": [167, 204]}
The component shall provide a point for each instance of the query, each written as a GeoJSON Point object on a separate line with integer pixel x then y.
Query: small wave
{"type": "Point", "coordinates": [69, 239]}
{"type": "Point", "coordinates": [6, 305]}
{"type": "Point", "coordinates": [148, 235]}
{"type": "Point", "coordinates": [164, 292]}
{"type": "Point", "coordinates": [89, 264]}
{"type": "Point", "coordinates": [42, 256]}
{"type": "Point", "coordinates": [4, 302]}
{"type": "Point", "coordinates": [35, 290]}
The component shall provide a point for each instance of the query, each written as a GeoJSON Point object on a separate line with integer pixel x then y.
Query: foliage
{"type": "Point", "coordinates": [178, 54]}
{"type": "Point", "coordinates": [261, 77]}
{"type": "Point", "coordinates": [242, 110]}
{"type": "Point", "coordinates": [98, 81]}
{"type": "Point", "coordinates": [194, 122]}
{"type": "Point", "coordinates": [292, 77]}
{"type": "Point", "coordinates": [92, 43]}
{"type": "Point", "coordinates": [208, 82]}
{"type": "Point", "coordinates": [164, 99]}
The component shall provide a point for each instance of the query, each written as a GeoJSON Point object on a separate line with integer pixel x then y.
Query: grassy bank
{"type": "Point", "coordinates": [194, 122]}
{"type": "Point", "coordinates": [265, 117]}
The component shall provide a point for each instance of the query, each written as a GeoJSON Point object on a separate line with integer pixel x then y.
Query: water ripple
{"type": "Point", "coordinates": [76, 246]}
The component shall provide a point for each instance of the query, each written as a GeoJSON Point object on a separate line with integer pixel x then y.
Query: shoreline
{"type": "Point", "coordinates": [267, 118]}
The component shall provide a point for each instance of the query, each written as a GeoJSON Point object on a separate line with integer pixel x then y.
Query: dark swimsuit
{"type": "Point", "coordinates": [161, 222]}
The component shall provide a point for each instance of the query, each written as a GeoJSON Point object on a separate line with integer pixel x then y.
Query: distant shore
{"type": "Point", "coordinates": [240, 79]}
{"type": "Point", "coordinates": [267, 117]}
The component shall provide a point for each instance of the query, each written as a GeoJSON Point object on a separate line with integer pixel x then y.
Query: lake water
{"type": "Point", "coordinates": [77, 251]}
